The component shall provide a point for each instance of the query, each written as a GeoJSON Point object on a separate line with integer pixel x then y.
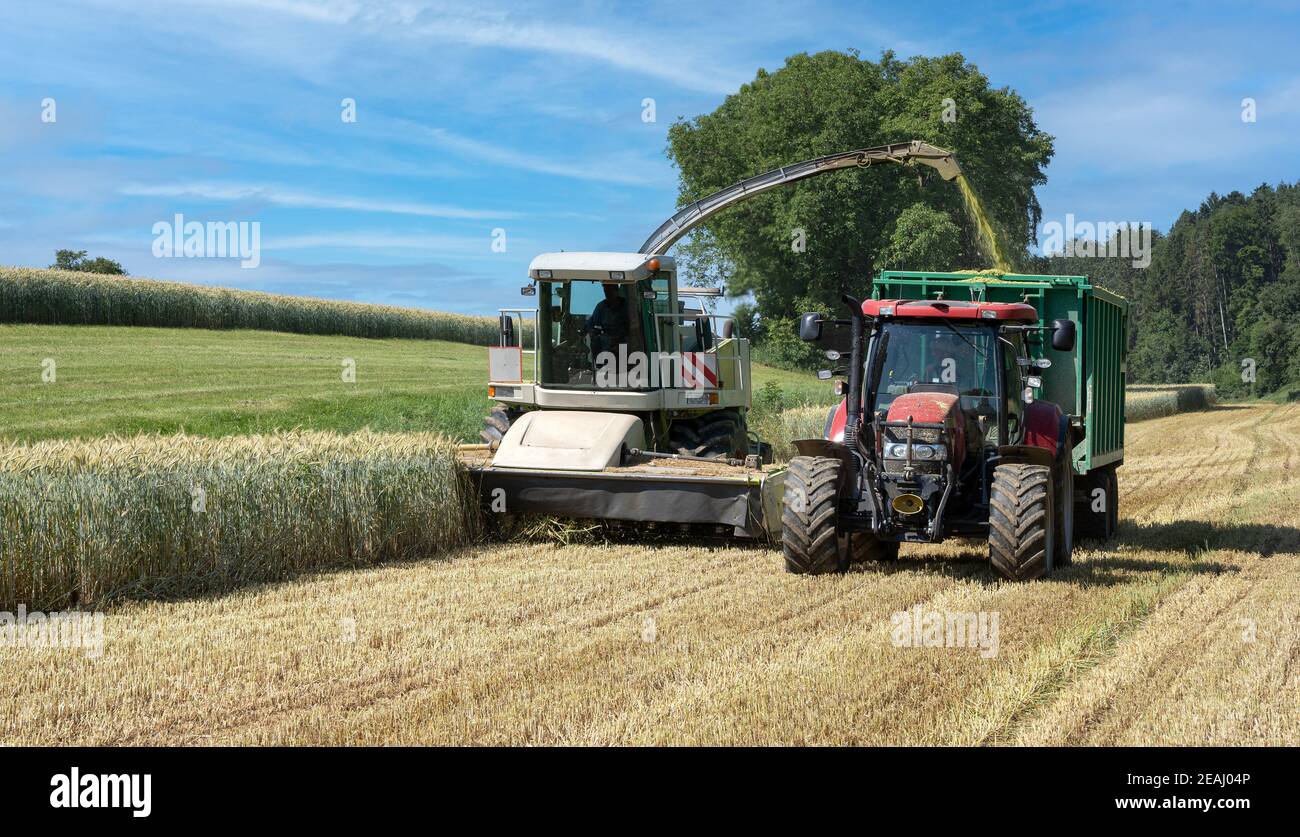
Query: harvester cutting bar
{"type": "Point", "coordinates": [689, 492]}
{"type": "Point", "coordinates": [914, 151]}
{"type": "Point", "coordinates": [687, 457]}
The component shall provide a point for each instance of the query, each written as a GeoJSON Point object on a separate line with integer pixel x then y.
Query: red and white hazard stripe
{"type": "Point", "coordinates": [699, 370]}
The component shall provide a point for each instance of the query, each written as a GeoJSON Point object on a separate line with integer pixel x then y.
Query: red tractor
{"type": "Point", "coordinates": [939, 435]}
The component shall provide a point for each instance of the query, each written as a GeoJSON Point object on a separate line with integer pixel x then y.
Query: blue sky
{"type": "Point", "coordinates": [527, 117]}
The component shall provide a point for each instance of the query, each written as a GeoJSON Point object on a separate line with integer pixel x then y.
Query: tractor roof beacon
{"type": "Point", "coordinates": [619, 396]}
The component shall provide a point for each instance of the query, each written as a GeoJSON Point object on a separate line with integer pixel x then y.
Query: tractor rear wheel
{"type": "Point", "coordinates": [865, 547]}
{"type": "Point", "coordinates": [715, 435]}
{"type": "Point", "coordinates": [1097, 513]}
{"type": "Point", "coordinates": [497, 424]}
{"type": "Point", "coordinates": [810, 510]}
{"type": "Point", "coordinates": [1022, 521]}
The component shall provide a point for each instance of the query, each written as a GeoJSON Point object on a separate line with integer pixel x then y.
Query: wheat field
{"type": "Point", "coordinates": [1183, 630]}
{"type": "Point", "coordinates": [88, 522]}
{"type": "Point", "coordinates": [1143, 402]}
{"type": "Point", "coordinates": [61, 297]}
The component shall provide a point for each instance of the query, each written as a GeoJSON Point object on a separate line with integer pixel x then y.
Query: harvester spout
{"type": "Point", "coordinates": [906, 153]}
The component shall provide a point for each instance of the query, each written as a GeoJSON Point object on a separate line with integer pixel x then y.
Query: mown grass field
{"type": "Point", "coordinates": [112, 380]}
{"type": "Point", "coordinates": [1183, 630]}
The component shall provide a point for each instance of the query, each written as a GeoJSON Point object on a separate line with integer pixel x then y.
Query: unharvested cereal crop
{"type": "Point", "coordinates": [94, 521]}
{"type": "Point", "coordinates": [1156, 401]}
{"type": "Point", "coordinates": [60, 297]}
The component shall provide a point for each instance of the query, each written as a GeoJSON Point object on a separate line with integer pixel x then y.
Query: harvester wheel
{"type": "Point", "coordinates": [1022, 521]}
{"type": "Point", "coordinates": [809, 516]}
{"type": "Point", "coordinates": [1097, 513]}
{"type": "Point", "coordinates": [865, 547]}
{"type": "Point", "coordinates": [497, 424]}
{"type": "Point", "coordinates": [713, 435]}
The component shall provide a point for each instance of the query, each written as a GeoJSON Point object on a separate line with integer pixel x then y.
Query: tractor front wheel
{"type": "Point", "coordinates": [1022, 521]}
{"type": "Point", "coordinates": [809, 516]}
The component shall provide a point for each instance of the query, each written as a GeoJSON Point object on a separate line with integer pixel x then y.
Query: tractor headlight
{"type": "Point", "coordinates": [920, 452]}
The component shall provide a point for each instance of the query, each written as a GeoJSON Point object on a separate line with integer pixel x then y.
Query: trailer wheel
{"type": "Point", "coordinates": [1022, 521]}
{"type": "Point", "coordinates": [497, 424]}
{"type": "Point", "coordinates": [865, 547]}
{"type": "Point", "coordinates": [1064, 513]}
{"type": "Point", "coordinates": [1096, 515]}
{"type": "Point", "coordinates": [809, 516]}
{"type": "Point", "coordinates": [713, 435]}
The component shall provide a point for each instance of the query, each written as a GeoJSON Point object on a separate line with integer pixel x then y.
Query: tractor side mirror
{"type": "Point", "coordinates": [1063, 335]}
{"type": "Point", "coordinates": [528, 290]}
{"type": "Point", "coordinates": [810, 327]}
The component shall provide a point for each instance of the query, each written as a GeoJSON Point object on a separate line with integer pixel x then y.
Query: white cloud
{"type": "Point", "coordinates": [294, 198]}
{"type": "Point", "coordinates": [366, 240]}
{"type": "Point", "coordinates": [624, 169]}
{"type": "Point", "coordinates": [626, 51]}
{"type": "Point", "coordinates": [486, 28]}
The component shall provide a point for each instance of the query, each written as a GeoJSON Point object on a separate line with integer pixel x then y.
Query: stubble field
{"type": "Point", "coordinates": [1183, 630]}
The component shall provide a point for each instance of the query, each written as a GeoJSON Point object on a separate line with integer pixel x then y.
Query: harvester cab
{"type": "Point", "coordinates": [612, 333]}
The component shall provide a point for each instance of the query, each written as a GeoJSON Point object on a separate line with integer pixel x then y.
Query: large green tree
{"type": "Point", "coordinates": [854, 222]}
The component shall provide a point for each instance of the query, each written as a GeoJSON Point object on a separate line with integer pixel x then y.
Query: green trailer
{"type": "Point", "coordinates": [1087, 382]}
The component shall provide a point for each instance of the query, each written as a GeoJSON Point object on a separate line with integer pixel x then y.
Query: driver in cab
{"type": "Point", "coordinates": [948, 355]}
{"type": "Point", "coordinates": [608, 324]}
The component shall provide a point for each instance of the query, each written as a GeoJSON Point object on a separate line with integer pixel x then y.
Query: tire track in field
{"type": "Point", "coordinates": [713, 636]}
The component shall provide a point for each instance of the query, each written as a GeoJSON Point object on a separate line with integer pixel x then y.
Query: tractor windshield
{"type": "Point", "coordinates": [937, 356]}
{"type": "Point", "coordinates": [580, 321]}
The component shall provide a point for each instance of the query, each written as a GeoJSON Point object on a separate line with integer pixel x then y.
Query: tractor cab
{"type": "Point", "coordinates": [978, 364]}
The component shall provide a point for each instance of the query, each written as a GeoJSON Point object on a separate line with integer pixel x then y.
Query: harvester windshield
{"type": "Point", "coordinates": [581, 320]}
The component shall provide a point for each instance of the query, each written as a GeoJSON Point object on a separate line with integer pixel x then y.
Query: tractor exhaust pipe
{"type": "Point", "coordinates": [853, 412]}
